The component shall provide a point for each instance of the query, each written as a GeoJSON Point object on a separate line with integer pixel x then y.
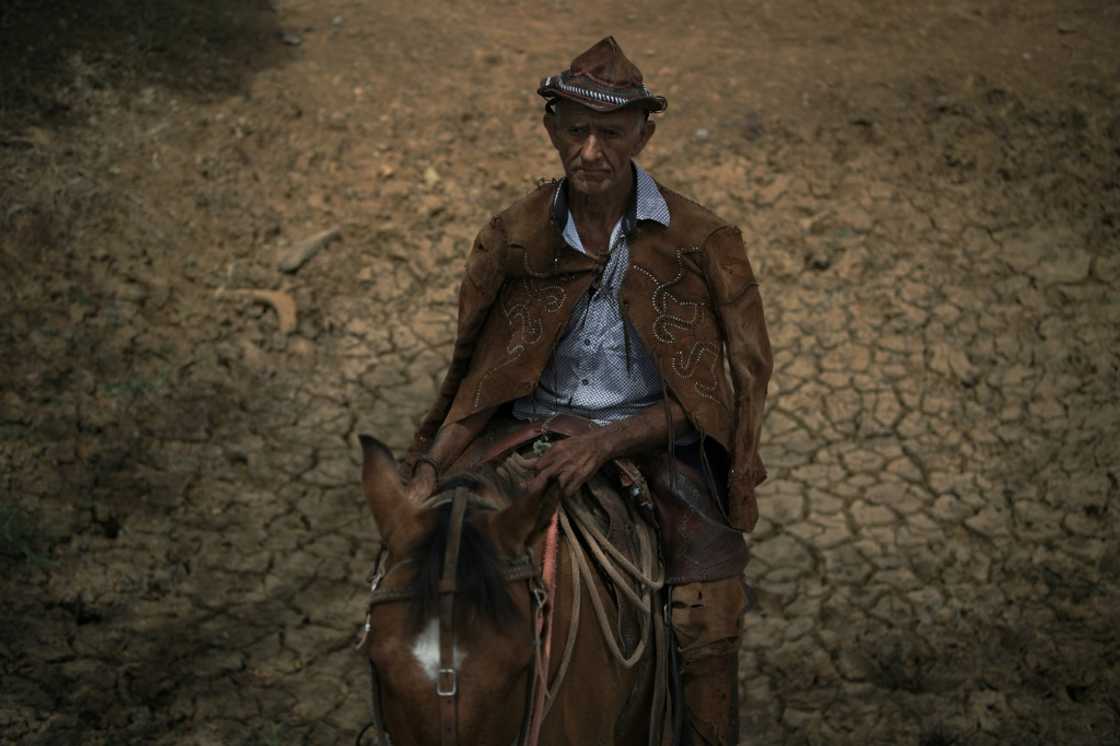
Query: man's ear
{"type": "Point", "coordinates": [550, 124]}
{"type": "Point", "coordinates": [648, 128]}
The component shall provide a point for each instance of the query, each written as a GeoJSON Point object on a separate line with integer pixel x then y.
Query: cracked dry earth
{"type": "Point", "coordinates": [930, 196]}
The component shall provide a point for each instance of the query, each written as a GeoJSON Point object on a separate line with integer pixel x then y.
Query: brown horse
{"type": "Point", "coordinates": [483, 682]}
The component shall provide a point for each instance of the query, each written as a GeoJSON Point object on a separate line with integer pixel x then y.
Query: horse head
{"type": "Point", "coordinates": [493, 611]}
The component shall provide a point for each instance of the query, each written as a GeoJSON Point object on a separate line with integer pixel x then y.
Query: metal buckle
{"type": "Point", "coordinates": [542, 443]}
{"type": "Point", "coordinates": [447, 683]}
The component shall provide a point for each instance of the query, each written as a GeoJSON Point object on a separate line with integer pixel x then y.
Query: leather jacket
{"type": "Point", "coordinates": [689, 292]}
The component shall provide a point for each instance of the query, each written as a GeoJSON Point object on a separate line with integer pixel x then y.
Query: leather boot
{"type": "Point", "coordinates": [707, 621]}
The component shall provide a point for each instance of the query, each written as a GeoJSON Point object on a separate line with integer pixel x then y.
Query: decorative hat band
{"type": "Point", "coordinates": [602, 78]}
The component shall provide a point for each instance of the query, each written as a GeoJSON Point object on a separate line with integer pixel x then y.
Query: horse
{"type": "Point", "coordinates": [460, 621]}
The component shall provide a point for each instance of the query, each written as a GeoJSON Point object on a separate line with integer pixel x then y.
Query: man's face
{"type": "Point", "coordinates": [596, 147]}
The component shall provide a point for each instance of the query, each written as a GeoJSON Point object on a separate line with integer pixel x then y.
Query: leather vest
{"type": "Point", "coordinates": [689, 291]}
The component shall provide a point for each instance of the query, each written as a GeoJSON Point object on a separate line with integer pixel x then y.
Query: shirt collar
{"type": "Point", "coordinates": [648, 204]}
{"type": "Point", "coordinates": [651, 203]}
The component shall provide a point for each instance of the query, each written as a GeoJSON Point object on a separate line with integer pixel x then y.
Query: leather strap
{"type": "Point", "coordinates": [518, 569]}
{"type": "Point", "coordinates": [522, 568]}
{"type": "Point", "coordinates": [376, 724]}
{"type": "Point", "coordinates": [447, 679]}
{"type": "Point", "coordinates": [543, 631]}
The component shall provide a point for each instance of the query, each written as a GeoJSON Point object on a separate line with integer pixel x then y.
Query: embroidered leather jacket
{"type": "Point", "coordinates": [689, 291]}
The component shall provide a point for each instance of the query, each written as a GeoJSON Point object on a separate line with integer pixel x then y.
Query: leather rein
{"type": "Point", "coordinates": [447, 678]}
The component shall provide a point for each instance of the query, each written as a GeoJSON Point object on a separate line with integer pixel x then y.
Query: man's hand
{"type": "Point", "coordinates": [572, 461]}
{"type": "Point", "coordinates": [449, 444]}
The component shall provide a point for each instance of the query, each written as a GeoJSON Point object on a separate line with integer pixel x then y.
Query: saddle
{"type": "Point", "coordinates": [628, 505]}
{"type": "Point", "coordinates": [697, 544]}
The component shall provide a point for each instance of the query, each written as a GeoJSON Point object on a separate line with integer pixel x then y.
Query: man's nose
{"type": "Point", "coordinates": [591, 150]}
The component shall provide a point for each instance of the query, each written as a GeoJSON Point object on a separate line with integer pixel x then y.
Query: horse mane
{"type": "Point", "coordinates": [483, 591]}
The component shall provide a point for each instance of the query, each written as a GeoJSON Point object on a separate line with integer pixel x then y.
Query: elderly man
{"type": "Point", "coordinates": [608, 297]}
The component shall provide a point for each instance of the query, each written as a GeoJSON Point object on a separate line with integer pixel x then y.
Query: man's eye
{"type": "Point", "coordinates": [577, 131]}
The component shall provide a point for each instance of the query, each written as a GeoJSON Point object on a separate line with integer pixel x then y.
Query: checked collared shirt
{"type": "Point", "coordinates": [600, 369]}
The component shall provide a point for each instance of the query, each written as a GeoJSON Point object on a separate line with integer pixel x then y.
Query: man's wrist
{"type": "Point", "coordinates": [426, 468]}
{"type": "Point", "coordinates": [610, 440]}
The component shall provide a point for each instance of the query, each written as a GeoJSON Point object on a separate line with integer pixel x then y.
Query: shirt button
{"type": "Point", "coordinates": [585, 382]}
{"type": "Point", "coordinates": [587, 342]}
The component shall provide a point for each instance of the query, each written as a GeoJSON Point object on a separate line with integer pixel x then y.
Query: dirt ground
{"type": "Point", "coordinates": [930, 193]}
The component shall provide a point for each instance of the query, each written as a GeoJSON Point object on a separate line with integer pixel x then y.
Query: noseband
{"type": "Point", "coordinates": [447, 679]}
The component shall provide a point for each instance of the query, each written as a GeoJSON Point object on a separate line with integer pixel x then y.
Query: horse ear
{"type": "Point", "coordinates": [529, 513]}
{"type": "Point", "coordinates": [381, 482]}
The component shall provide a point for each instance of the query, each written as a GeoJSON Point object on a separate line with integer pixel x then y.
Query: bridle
{"type": "Point", "coordinates": [447, 678]}
{"type": "Point", "coordinates": [638, 583]}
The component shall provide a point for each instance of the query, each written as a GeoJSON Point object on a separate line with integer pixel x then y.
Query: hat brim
{"type": "Point", "coordinates": [586, 93]}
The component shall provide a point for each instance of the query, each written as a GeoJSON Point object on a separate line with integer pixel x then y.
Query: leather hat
{"type": "Point", "coordinates": [603, 79]}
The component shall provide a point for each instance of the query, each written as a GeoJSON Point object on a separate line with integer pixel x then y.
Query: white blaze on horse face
{"type": "Point", "coordinates": [425, 649]}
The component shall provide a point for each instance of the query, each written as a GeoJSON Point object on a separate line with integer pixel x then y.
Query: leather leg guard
{"type": "Point", "coordinates": [708, 621]}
